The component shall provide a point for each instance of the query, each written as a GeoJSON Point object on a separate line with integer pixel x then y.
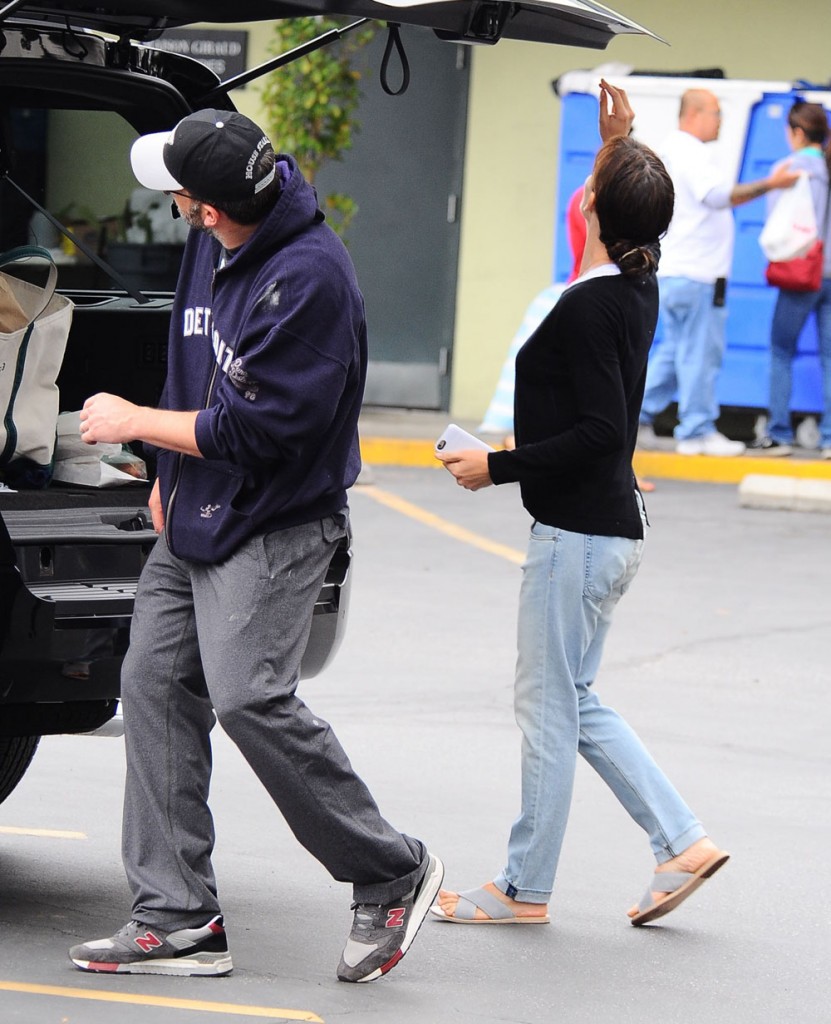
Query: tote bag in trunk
{"type": "Point", "coordinates": [34, 327]}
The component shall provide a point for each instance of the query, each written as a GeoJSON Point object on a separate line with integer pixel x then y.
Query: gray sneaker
{"type": "Point", "coordinates": [142, 949]}
{"type": "Point", "coordinates": [381, 935]}
{"type": "Point", "coordinates": [647, 438]}
{"type": "Point", "coordinates": [770, 446]}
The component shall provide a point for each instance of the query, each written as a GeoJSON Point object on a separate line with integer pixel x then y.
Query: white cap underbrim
{"type": "Point", "coordinates": [147, 158]}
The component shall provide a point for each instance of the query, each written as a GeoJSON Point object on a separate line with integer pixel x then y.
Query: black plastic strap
{"type": "Point", "coordinates": [9, 9]}
{"type": "Point", "coordinates": [394, 40]}
{"type": "Point", "coordinates": [134, 293]}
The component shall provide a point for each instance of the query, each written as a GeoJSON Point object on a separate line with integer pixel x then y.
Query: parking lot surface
{"type": "Point", "coordinates": [719, 658]}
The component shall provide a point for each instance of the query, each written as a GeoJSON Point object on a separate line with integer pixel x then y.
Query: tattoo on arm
{"type": "Point", "coordinates": [748, 190]}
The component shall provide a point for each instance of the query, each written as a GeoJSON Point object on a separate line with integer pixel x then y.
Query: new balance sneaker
{"type": "Point", "coordinates": [770, 446]}
{"type": "Point", "coordinates": [141, 949]}
{"type": "Point", "coordinates": [710, 444]}
{"type": "Point", "coordinates": [381, 935]}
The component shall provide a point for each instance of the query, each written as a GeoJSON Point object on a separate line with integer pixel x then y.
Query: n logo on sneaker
{"type": "Point", "coordinates": [147, 942]}
{"type": "Point", "coordinates": [395, 918]}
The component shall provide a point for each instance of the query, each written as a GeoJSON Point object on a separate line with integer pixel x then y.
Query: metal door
{"type": "Point", "coordinates": [405, 173]}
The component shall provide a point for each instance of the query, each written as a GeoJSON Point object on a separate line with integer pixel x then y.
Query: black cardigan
{"type": "Point", "coordinates": [579, 385]}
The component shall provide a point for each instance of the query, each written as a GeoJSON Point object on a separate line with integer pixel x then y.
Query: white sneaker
{"type": "Point", "coordinates": [710, 444]}
{"type": "Point", "coordinates": [826, 453]}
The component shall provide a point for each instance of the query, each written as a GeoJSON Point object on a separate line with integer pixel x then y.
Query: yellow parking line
{"type": "Point", "coordinates": [232, 1009]}
{"type": "Point", "coordinates": [421, 515]}
{"type": "Point", "coordinates": [47, 833]}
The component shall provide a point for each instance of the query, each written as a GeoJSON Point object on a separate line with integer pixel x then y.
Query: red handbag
{"type": "Point", "coordinates": [803, 274]}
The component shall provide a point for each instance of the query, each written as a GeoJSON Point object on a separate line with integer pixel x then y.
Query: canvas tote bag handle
{"type": "Point", "coordinates": [28, 252]}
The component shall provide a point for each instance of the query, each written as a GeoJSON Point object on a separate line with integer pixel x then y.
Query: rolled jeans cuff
{"type": "Point", "coordinates": [681, 843]}
{"type": "Point", "coordinates": [522, 895]}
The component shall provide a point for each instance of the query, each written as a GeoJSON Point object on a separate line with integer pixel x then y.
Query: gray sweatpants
{"type": "Point", "coordinates": [230, 638]}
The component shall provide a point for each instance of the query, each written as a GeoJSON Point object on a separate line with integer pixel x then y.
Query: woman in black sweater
{"type": "Point", "coordinates": [579, 384]}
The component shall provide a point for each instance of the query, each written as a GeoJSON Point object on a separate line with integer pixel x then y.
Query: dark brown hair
{"type": "Point", "coordinates": [813, 120]}
{"type": "Point", "coordinates": [634, 200]}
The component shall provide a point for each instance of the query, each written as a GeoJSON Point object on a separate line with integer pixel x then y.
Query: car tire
{"type": "Point", "coordinates": [16, 753]}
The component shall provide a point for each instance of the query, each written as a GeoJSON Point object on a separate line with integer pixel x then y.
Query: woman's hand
{"type": "Point", "coordinates": [616, 116]}
{"type": "Point", "coordinates": [469, 467]}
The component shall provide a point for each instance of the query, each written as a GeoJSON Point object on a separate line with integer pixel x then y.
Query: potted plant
{"type": "Point", "coordinates": [311, 103]}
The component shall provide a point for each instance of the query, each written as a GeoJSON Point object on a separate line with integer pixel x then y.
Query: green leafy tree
{"type": "Point", "coordinates": [311, 103]}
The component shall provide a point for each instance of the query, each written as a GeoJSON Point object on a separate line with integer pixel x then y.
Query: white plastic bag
{"type": "Point", "coordinates": [791, 228]}
{"type": "Point", "coordinates": [92, 465]}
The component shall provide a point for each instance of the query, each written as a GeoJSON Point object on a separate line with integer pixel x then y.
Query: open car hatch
{"type": "Point", "coordinates": [567, 22]}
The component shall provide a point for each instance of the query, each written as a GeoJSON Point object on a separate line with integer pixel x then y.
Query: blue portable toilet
{"type": "Point", "coordinates": [752, 139]}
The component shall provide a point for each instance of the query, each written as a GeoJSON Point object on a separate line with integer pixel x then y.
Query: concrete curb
{"type": "Point", "coordinates": [715, 470]}
{"type": "Point", "coordinates": [398, 451]}
{"type": "Point", "coordinates": [796, 494]}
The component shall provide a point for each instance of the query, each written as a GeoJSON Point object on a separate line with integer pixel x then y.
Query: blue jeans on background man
{"type": "Point", "coordinates": [571, 585]}
{"type": "Point", "coordinates": [688, 357]}
{"type": "Point", "coordinates": [789, 315]}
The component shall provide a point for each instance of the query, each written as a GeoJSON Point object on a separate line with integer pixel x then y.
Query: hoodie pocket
{"type": "Point", "coordinates": [203, 524]}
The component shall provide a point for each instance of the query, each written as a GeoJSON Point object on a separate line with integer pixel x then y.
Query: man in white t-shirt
{"type": "Point", "coordinates": [696, 255]}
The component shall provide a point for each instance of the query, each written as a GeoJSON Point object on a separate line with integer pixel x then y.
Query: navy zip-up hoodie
{"type": "Point", "coordinates": [271, 348]}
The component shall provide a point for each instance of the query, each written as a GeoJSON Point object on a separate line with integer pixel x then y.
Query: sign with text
{"type": "Point", "coordinates": [224, 52]}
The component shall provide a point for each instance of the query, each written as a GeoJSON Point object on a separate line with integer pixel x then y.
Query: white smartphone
{"type": "Point", "coordinates": [455, 439]}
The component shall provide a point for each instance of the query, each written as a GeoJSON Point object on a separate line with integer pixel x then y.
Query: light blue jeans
{"type": "Point", "coordinates": [687, 360]}
{"type": "Point", "coordinates": [789, 315]}
{"type": "Point", "coordinates": [571, 584]}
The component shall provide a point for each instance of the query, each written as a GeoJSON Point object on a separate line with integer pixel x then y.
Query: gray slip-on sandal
{"type": "Point", "coordinates": [679, 885]}
{"type": "Point", "coordinates": [498, 912]}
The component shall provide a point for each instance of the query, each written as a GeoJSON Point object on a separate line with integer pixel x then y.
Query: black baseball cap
{"type": "Point", "coordinates": [213, 154]}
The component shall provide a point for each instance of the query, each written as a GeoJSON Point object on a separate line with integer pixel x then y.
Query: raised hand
{"type": "Point", "coordinates": [616, 116]}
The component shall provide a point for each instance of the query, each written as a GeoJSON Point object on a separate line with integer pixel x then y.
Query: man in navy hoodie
{"type": "Point", "coordinates": [257, 445]}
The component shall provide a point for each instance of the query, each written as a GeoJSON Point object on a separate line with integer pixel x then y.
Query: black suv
{"type": "Point", "coordinates": [85, 73]}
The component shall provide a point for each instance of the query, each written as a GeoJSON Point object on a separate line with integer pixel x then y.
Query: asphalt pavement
{"type": "Point", "coordinates": [718, 657]}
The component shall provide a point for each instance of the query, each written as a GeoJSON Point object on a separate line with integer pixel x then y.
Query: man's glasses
{"type": "Point", "coordinates": [174, 209]}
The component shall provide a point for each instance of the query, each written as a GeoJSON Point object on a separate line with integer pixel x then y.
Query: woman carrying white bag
{"type": "Point", "coordinates": [807, 133]}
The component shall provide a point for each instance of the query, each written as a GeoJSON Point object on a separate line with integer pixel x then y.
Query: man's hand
{"type": "Point", "coordinates": [782, 177]}
{"type": "Point", "coordinates": [108, 418]}
{"type": "Point", "coordinates": [616, 116]}
{"type": "Point", "coordinates": [154, 503]}
{"type": "Point", "coordinates": [469, 467]}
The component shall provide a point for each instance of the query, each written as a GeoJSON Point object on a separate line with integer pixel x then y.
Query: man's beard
{"type": "Point", "coordinates": [193, 218]}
